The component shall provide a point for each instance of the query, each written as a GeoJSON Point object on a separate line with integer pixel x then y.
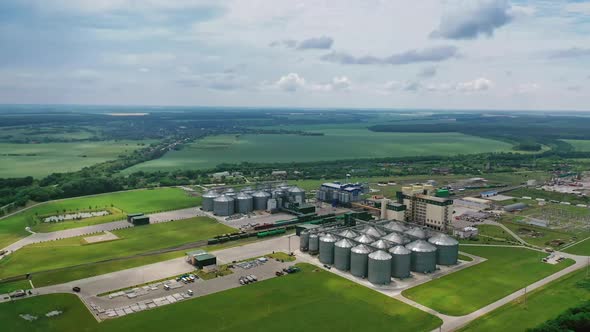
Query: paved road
{"type": "Point", "coordinates": [110, 226]}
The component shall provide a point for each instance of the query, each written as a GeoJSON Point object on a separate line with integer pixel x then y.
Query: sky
{"type": "Point", "coordinates": [445, 54]}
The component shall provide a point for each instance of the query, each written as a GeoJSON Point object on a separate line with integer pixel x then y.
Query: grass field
{"type": "Point", "coordinates": [490, 234]}
{"type": "Point", "coordinates": [335, 145]}
{"type": "Point", "coordinates": [542, 236]}
{"type": "Point", "coordinates": [548, 195]}
{"type": "Point", "coordinates": [42, 159]}
{"type": "Point", "coordinates": [582, 248]}
{"type": "Point", "coordinates": [72, 251]}
{"type": "Point", "coordinates": [579, 145]}
{"type": "Point", "coordinates": [505, 271]}
{"type": "Point", "coordinates": [542, 304]}
{"type": "Point", "coordinates": [313, 296]}
{"type": "Point", "coordinates": [149, 200]}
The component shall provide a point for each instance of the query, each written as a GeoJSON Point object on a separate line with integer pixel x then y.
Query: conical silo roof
{"type": "Point", "coordinates": [260, 193]}
{"type": "Point", "coordinates": [223, 198]}
{"type": "Point", "coordinates": [381, 244]}
{"type": "Point", "coordinates": [372, 231]}
{"type": "Point", "coordinates": [344, 243]}
{"type": "Point", "coordinates": [421, 246]}
{"type": "Point", "coordinates": [364, 239]}
{"type": "Point", "coordinates": [395, 227]}
{"type": "Point", "coordinates": [417, 233]}
{"type": "Point", "coordinates": [380, 255]}
{"type": "Point", "coordinates": [361, 249]}
{"type": "Point", "coordinates": [348, 233]}
{"type": "Point", "coordinates": [396, 238]}
{"type": "Point", "coordinates": [328, 238]}
{"type": "Point", "coordinates": [400, 250]}
{"type": "Point", "coordinates": [210, 194]}
{"type": "Point", "coordinates": [443, 240]}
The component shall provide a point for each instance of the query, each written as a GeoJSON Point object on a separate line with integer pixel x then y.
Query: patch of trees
{"type": "Point", "coordinates": [574, 319]}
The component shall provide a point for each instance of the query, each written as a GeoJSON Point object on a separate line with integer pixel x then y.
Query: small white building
{"type": "Point", "coordinates": [465, 232]}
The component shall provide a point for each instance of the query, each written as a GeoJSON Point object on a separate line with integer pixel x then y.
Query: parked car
{"type": "Point", "coordinates": [254, 277]}
{"type": "Point", "coordinates": [279, 273]}
{"type": "Point", "coordinates": [76, 289]}
{"type": "Point", "coordinates": [250, 279]}
{"type": "Point", "coordinates": [242, 282]}
{"type": "Point", "coordinates": [18, 293]}
{"type": "Point", "coordinates": [166, 287]}
{"type": "Point", "coordinates": [190, 292]}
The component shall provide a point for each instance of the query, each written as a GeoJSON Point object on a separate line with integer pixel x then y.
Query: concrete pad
{"type": "Point", "coordinates": [106, 236]}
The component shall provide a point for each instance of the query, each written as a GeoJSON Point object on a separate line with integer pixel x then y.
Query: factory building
{"type": "Point", "coordinates": [201, 259]}
{"type": "Point", "coordinates": [424, 209]}
{"type": "Point", "coordinates": [340, 194]}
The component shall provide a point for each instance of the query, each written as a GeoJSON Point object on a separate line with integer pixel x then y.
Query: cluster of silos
{"type": "Point", "coordinates": [296, 195]}
{"type": "Point", "coordinates": [223, 205]}
{"type": "Point", "coordinates": [208, 198]}
{"type": "Point", "coordinates": [423, 256]}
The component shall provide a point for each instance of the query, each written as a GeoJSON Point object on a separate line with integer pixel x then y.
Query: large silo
{"type": "Point", "coordinates": [447, 249]}
{"type": "Point", "coordinates": [364, 239]}
{"type": "Point", "coordinates": [297, 195]}
{"type": "Point", "coordinates": [423, 257]}
{"type": "Point", "coordinates": [396, 238]}
{"type": "Point", "coordinates": [359, 260]}
{"type": "Point", "coordinates": [395, 227]}
{"type": "Point", "coordinates": [342, 254]}
{"type": "Point", "coordinates": [400, 261]}
{"type": "Point", "coordinates": [347, 233]}
{"type": "Point", "coordinates": [327, 248]}
{"type": "Point", "coordinates": [381, 245]}
{"type": "Point", "coordinates": [372, 231]}
{"type": "Point", "coordinates": [416, 233]}
{"type": "Point", "coordinates": [379, 267]}
{"type": "Point", "coordinates": [260, 200]}
{"type": "Point", "coordinates": [208, 198]}
{"type": "Point", "coordinates": [314, 243]}
{"type": "Point", "coordinates": [223, 206]}
{"type": "Point", "coordinates": [304, 241]}
{"type": "Point", "coordinates": [244, 203]}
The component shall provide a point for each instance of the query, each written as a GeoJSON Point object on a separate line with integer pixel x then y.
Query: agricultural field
{"type": "Point", "coordinates": [549, 195]}
{"type": "Point", "coordinates": [39, 134]}
{"type": "Point", "coordinates": [135, 240]}
{"type": "Point", "coordinates": [146, 200]}
{"type": "Point", "coordinates": [490, 234]}
{"type": "Point", "coordinates": [39, 160]}
{"type": "Point", "coordinates": [541, 304]}
{"type": "Point", "coordinates": [336, 144]}
{"type": "Point", "coordinates": [467, 290]}
{"type": "Point", "coordinates": [313, 293]}
{"type": "Point", "coordinates": [579, 145]}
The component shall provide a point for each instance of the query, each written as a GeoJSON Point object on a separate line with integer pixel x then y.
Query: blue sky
{"type": "Point", "coordinates": [490, 54]}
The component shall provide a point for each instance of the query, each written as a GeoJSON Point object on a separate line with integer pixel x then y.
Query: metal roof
{"type": "Point", "coordinates": [400, 250]}
{"type": "Point", "coordinates": [396, 238]}
{"type": "Point", "coordinates": [417, 232]}
{"type": "Point", "coordinates": [332, 185]}
{"type": "Point", "coordinates": [394, 226]}
{"type": "Point", "coordinates": [344, 243]}
{"type": "Point", "coordinates": [296, 190]}
{"type": "Point", "coordinates": [241, 196]}
{"type": "Point", "coordinates": [379, 255]}
{"type": "Point", "coordinates": [364, 238]}
{"type": "Point", "coordinates": [421, 246]}
{"type": "Point", "coordinates": [260, 193]}
{"type": "Point", "coordinates": [380, 244]}
{"type": "Point", "coordinates": [372, 231]}
{"type": "Point", "coordinates": [361, 249]}
{"type": "Point", "coordinates": [328, 238]}
{"type": "Point", "coordinates": [210, 194]}
{"type": "Point", "coordinates": [348, 233]}
{"type": "Point", "coordinates": [443, 240]}
{"type": "Point", "coordinates": [223, 198]}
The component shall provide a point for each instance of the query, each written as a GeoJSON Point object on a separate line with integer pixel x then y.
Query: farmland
{"type": "Point", "coordinates": [313, 294]}
{"type": "Point", "coordinates": [579, 145]}
{"type": "Point", "coordinates": [38, 160]}
{"type": "Point", "coordinates": [542, 304]}
{"type": "Point", "coordinates": [73, 251]}
{"type": "Point", "coordinates": [147, 201]}
{"type": "Point", "coordinates": [336, 144]}
{"type": "Point", "coordinates": [465, 291]}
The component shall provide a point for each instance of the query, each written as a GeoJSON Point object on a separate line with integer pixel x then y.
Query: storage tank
{"type": "Point", "coordinates": [447, 249]}
{"type": "Point", "coordinates": [400, 261]}
{"type": "Point", "coordinates": [359, 260]}
{"type": "Point", "coordinates": [396, 238]}
{"type": "Point", "coordinates": [364, 239]}
{"type": "Point", "coordinates": [342, 254]}
{"type": "Point", "coordinates": [208, 198]}
{"type": "Point", "coordinates": [416, 233]}
{"type": "Point", "coordinates": [381, 245]}
{"type": "Point", "coordinates": [327, 248]}
{"type": "Point", "coordinates": [314, 243]}
{"type": "Point", "coordinates": [423, 256]}
{"type": "Point", "coordinates": [379, 267]}
{"type": "Point", "coordinates": [223, 206]}
{"type": "Point", "coordinates": [374, 232]}
{"type": "Point", "coordinates": [348, 234]}
{"type": "Point", "coordinates": [395, 227]}
{"type": "Point", "coordinates": [297, 195]}
{"type": "Point", "coordinates": [304, 240]}
{"type": "Point", "coordinates": [244, 203]}
{"type": "Point", "coordinates": [260, 200]}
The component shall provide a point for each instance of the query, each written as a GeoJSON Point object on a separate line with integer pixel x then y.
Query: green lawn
{"type": "Point", "coordinates": [15, 285]}
{"type": "Point", "coordinates": [336, 144]}
{"type": "Point", "coordinates": [490, 234]}
{"type": "Point", "coordinates": [505, 271]}
{"type": "Point", "coordinates": [39, 160]}
{"type": "Point", "coordinates": [542, 236]}
{"type": "Point", "coordinates": [578, 144]}
{"type": "Point", "coordinates": [148, 201]}
{"type": "Point", "coordinates": [68, 252]}
{"type": "Point", "coordinates": [548, 195]}
{"type": "Point", "coordinates": [542, 304]}
{"type": "Point", "coordinates": [313, 297]}
{"type": "Point", "coordinates": [582, 248]}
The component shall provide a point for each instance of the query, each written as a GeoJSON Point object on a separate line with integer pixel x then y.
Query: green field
{"type": "Point", "coordinates": [73, 251]}
{"type": "Point", "coordinates": [582, 248]}
{"type": "Point", "coordinates": [337, 144]}
{"type": "Point", "coordinates": [548, 195]}
{"type": "Point", "coordinates": [148, 201]}
{"type": "Point", "coordinates": [542, 304]}
{"type": "Point", "coordinates": [313, 297]}
{"type": "Point", "coordinates": [542, 236]}
{"type": "Point", "coordinates": [505, 271]}
{"type": "Point", "coordinates": [38, 160]}
{"type": "Point", "coordinates": [579, 145]}
{"type": "Point", "coordinates": [490, 234]}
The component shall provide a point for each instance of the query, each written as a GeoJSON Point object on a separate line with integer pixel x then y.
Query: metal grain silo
{"type": "Point", "coordinates": [447, 249]}
{"type": "Point", "coordinates": [208, 198]}
{"type": "Point", "coordinates": [364, 239]}
{"type": "Point", "coordinates": [327, 248]}
{"type": "Point", "coordinates": [348, 234]}
{"type": "Point", "coordinates": [260, 200]}
{"type": "Point", "coordinates": [342, 254]}
{"type": "Point", "coordinates": [400, 261]}
{"type": "Point", "coordinates": [244, 203]}
{"type": "Point", "coordinates": [416, 233]}
{"type": "Point", "coordinates": [314, 243]}
{"type": "Point", "coordinates": [423, 257]}
{"type": "Point", "coordinates": [381, 245]}
{"type": "Point", "coordinates": [374, 232]}
{"type": "Point", "coordinates": [396, 238]}
{"type": "Point", "coordinates": [395, 227]}
{"type": "Point", "coordinates": [379, 267]}
{"type": "Point", "coordinates": [297, 195]}
{"type": "Point", "coordinates": [304, 241]}
{"type": "Point", "coordinates": [359, 260]}
{"type": "Point", "coordinates": [223, 206]}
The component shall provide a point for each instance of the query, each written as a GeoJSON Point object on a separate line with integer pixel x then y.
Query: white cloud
{"type": "Point", "coordinates": [479, 84]}
{"type": "Point", "coordinates": [338, 83]}
{"type": "Point", "coordinates": [138, 59]}
{"type": "Point", "coordinates": [290, 82]}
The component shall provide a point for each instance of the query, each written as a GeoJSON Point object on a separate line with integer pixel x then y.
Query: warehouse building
{"type": "Point", "coordinates": [515, 207]}
{"type": "Point", "coordinates": [140, 220]}
{"type": "Point", "coordinates": [201, 259]}
{"type": "Point", "coordinates": [340, 194]}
